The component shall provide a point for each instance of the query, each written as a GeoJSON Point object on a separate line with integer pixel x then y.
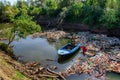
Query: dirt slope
{"type": "Point", "coordinates": [7, 71]}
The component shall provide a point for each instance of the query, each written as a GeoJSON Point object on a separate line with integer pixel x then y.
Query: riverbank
{"type": "Point", "coordinates": [14, 70]}
{"type": "Point", "coordinates": [7, 71]}
{"type": "Point", "coordinates": [75, 27]}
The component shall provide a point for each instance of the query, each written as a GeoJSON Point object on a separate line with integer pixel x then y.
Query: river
{"type": "Point", "coordinates": [40, 50]}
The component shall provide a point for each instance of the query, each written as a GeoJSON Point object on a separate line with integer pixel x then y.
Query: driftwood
{"type": "Point", "coordinates": [56, 73]}
{"type": "Point", "coordinates": [44, 75]}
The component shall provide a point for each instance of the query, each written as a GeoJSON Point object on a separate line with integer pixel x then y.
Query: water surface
{"type": "Point", "coordinates": [40, 50]}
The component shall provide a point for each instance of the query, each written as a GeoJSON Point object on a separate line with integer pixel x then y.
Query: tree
{"type": "Point", "coordinates": [35, 7]}
{"type": "Point", "coordinates": [65, 3]}
{"type": "Point", "coordinates": [74, 12]}
{"type": "Point", "coordinates": [3, 11]}
{"type": "Point", "coordinates": [110, 16]}
{"type": "Point", "coordinates": [7, 12]}
{"type": "Point", "coordinates": [23, 26]}
{"type": "Point", "coordinates": [49, 8]}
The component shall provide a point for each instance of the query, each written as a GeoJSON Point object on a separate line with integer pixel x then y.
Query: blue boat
{"type": "Point", "coordinates": [69, 49]}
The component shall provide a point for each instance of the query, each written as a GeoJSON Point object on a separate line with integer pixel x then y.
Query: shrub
{"type": "Point", "coordinates": [4, 47]}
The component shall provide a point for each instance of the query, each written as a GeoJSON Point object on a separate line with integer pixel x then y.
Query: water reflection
{"type": "Point", "coordinates": [34, 49]}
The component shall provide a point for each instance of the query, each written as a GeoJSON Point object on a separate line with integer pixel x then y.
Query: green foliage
{"type": "Point", "coordinates": [65, 3]}
{"type": "Point", "coordinates": [24, 26]}
{"type": "Point", "coordinates": [22, 22]}
{"type": "Point", "coordinates": [91, 12]}
{"type": "Point", "coordinates": [7, 12]}
{"type": "Point", "coordinates": [19, 76]}
{"type": "Point", "coordinates": [34, 10]}
{"type": "Point", "coordinates": [12, 12]}
{"type": "Point", "coordinates": [74, 12]}
{"type": "Point", "coordinates": [51, 4]}
{"type": "Point", "coordinates": [49, 8]}
{"type": "Point", "coordinates": [23, 8]}
{"type": "Point", "coordinates": [3, 11]}
{"type": "Point", "coordinates": [7, 32]}
{"type": "Point", "coordinates": [110, 16]}
{"type": "Point", "coordinates": [4, 47]}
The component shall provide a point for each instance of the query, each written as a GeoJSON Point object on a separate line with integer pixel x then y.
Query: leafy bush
{"type": "Point", "coordinates": [74, 12]}
{"type": "Point", "coordinates": [110, 15]}
{"type": "Point", "coordinates": [91, 12]}
{"type": "Point", "coordinates": [24, 26]}
{"type": "Point", "coordinates": [4, 47]}
{"type": "Point", "coordinates": [109, 19]}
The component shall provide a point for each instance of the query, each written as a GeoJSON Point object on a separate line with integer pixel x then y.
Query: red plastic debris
{"type": "Point", "coordinates": [83, 48]}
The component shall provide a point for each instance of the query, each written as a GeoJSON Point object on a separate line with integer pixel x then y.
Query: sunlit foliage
{"type": "Point", "coordinates": [90, 12]}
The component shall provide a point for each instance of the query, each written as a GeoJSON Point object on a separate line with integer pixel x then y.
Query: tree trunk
{"type": "Point", "coordinates": [11, 38]}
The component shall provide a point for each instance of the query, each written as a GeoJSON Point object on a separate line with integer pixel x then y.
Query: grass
{"type": "Point", "coordinates": [19, 76]}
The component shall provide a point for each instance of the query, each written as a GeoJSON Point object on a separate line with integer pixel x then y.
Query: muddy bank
{"type": "Point", "coordinates": [82, 27]}
{"type": "Point", "coordinates": [93, 29]}
{"type": "Point", "coordinates": [32, 70]}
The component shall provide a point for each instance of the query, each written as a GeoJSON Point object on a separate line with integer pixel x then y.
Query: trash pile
{"type": "Point", "coordinates": [103, 54]}
{"type": "Point", "coordinates": [96, 67]}
{"type": "Point", "coordinates": [106, 56]}
{"type": "Point", "coordinates": [51, 35]}
{"type": "Point", "coordinates": [98, 42]}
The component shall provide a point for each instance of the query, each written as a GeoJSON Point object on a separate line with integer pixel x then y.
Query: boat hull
{"type": "Point", "coordinates": [64, 51]}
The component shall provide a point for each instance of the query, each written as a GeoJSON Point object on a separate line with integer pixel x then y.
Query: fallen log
{"type": "Point", "coordinates": [56, 73]}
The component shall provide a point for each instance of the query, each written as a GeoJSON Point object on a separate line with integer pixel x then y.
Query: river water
{"type": "Point", "coordinates": [40, 50]}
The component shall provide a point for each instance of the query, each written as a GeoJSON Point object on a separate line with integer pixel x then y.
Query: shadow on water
{"type": "Point", "coordinates": [67, 58]}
